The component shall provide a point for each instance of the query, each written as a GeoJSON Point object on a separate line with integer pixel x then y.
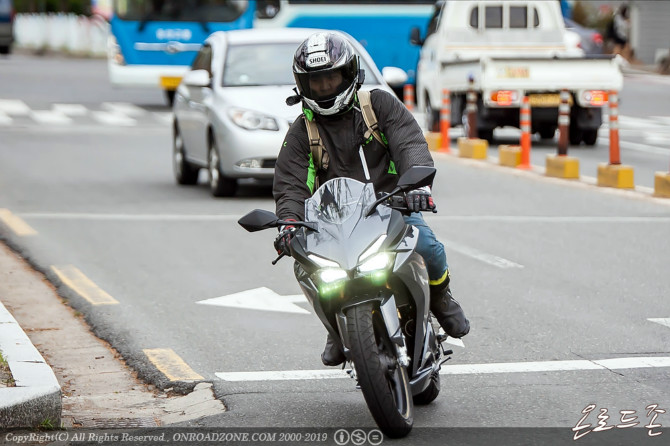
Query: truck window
{"type": "Point", "coordinates": [518, 17]}
{"type": "Point", "coordinates": [474, 17]}
{"type": "Point", "coordinates": [493, 17]}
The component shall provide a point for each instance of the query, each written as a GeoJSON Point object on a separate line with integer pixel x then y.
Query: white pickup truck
{"type": "Point", "coordinates": [511, 49]}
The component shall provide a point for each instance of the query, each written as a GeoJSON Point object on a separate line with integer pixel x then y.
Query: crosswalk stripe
{"type": "Point", "coordinates": [50, 117]}
{"type": "Point", "coordinates": [4, 119]}
{"type": "Point", "coordinates": [70, 109]}
{"type": "Point", "coordinates": [124, 108]}
{"type": "Point", "coordinates": [14, 107]}
{"type": "Point", "coordinates": [113, 118]}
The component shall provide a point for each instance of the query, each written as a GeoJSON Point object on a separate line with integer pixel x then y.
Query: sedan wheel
{"type": "Point", "coordinates": [184, 172]}
{"type": "Point", "coordinates": [219, 184]}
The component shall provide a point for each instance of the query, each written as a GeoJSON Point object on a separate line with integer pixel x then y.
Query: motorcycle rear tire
{"type": "Point", "coordinates": [387, 393]}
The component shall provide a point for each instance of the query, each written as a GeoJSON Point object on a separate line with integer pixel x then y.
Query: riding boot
{"type": "Point", "coordinates": [448, 311]}
{"type": "Point", "coordinates": [332, 355]}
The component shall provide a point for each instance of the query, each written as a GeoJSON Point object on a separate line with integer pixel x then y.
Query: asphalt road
{"type": "Point", "coordinates": [554, 275]}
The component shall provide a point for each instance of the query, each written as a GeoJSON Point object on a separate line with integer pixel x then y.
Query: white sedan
{"type": "Point", "coordinates": [230, 112]}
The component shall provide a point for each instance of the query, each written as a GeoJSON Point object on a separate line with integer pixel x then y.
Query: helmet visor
{"type": "Point", "coordinates": [324, 85]}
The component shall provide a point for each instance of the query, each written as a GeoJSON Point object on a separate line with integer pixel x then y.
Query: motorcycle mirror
{"type": "Point", "coordinates": [417, 176]}
{"type": "Point", "coordinates": [259, 219]}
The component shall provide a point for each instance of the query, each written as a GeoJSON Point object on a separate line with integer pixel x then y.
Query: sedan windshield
{"type": "Point", "coordinates": [259, 64]}
{"type": "Point", "coordinates": [266, 64]}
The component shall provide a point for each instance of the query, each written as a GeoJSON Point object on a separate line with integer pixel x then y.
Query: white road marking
{"type": "Point", "coordinates": [14, 107]}
{"type": "Point", "coordinates": [50, 117]}
{"type": "Point", "coordinates": [465, 369]}
{"type": "Point", "coordinates": [662, 321]}
{"type": "Point", "coordinates": [456, 218]}
{"type": "Point", "coordinates": [263, 299]}
{"type": "Point", "coordinates": [663, 119]}
{"type": "Point", "coordinates": [111, 118]}
{"type": "Point", "coordinates": [482, 256]}
{"type": "Point", "coordinates": [163, 117]}
{"type": "Point", "coordinates": [4, 119]}
{"type": "Point", "coordinates": [124, 108]}
{"type": "Point", "coordinates": [70, 109]}
{"type": "Point", "coordinates": [128, 217]}
{"type": "Point", "coordinates": [639, 147]}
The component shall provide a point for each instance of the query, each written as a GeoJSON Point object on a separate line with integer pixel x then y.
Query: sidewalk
{"type": "Point", "coordinates": [36, 396]}
{"type": "Point", "coordinates": [67, 389]}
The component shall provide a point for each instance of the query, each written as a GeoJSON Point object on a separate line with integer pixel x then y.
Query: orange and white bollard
{"type": "Point", "coordinates": [524, 123]}
{"type": "Point", "coordinates": [445, 120]}
{"type": "Point", "coordinates": [471, 109]}
{"type": "Point", "coordinates": [614, 128]}
{"type": "Point", "coordinates": [564, 123]}
{"type": "Point", "coordinates": [408, 96]}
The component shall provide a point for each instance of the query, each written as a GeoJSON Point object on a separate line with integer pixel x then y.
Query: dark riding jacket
{"type": "Point", "coordinates": [342, 136]}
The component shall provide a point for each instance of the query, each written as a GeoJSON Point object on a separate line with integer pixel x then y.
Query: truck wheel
{"type": "Point", "coordinates": [432, 117]}
{"type": "Point", "coordinates": [547, 131]}
{"type": "Point", "coordinates": [486, 134]}
{"type": "Point", "coordinates": [590, 137]}
{"type": "Point", "coordinates": [575, 137]}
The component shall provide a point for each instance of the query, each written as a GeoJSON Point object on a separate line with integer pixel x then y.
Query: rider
{"type": "Point", "coordinates": [327, 74]}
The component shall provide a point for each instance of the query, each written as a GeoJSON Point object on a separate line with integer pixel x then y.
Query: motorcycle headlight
{"type": "Point", "coordinates": [330, 275]}
{"type": "Point", "coordinates": [252, 120]}
{"type": "Point", "coordinates": [331, 281]}
{"type": "Point", "coordinates": [379, 261]}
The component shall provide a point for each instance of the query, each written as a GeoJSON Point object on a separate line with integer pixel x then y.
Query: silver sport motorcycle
{"type": "Point", "coordinates": [356, 262]}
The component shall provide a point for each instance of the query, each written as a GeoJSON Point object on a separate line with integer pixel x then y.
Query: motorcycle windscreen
{"type": "Point", "coordinates": [337, 200]}
{"type": "Point", "coordinates": [339, 206]}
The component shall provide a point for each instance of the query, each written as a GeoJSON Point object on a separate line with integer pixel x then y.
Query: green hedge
{"type": "Point", "coordinates": [73, 6]}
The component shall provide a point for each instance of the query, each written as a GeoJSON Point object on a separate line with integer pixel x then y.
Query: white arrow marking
{"type": "Point", "coordinates": [662, 321]}
{"type": "Point", "coordinates": [260, 299]}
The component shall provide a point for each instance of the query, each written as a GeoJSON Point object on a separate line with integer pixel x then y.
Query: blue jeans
{"type": "Point", "coordinates": [430, 249]}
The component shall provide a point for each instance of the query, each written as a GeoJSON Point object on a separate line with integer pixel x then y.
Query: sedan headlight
{"type": "Point", "coordinates": [252, 120]}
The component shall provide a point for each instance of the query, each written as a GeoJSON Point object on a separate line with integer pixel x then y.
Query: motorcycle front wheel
{"type": "Point", "coordinates": [383, 380]}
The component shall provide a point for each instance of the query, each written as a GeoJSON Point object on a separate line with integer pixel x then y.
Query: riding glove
{"type": "Point", "coordinates": [420, 200]}
{"type": "Point", "coordinates": [283, 239]}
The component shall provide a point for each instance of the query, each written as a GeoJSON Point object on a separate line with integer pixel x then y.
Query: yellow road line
{"type": "Point", "coordinates": [83, 286]}
{"type": "Point", "coordinates": [171, 365]}
{"type": "Point", "coordinates": [15, 223]}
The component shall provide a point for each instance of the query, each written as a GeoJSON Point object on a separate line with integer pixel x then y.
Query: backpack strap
{"type": "Point", "coordinates": [320, 156]}
{"type": "Point", "coordinates": [369, 117]}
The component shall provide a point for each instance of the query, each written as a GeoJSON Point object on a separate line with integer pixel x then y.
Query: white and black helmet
{"type": "Point", "coordinates": [324, 54]}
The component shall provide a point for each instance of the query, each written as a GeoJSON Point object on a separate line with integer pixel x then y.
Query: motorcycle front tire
{"type": "Point", "coordinates": [384, 382]}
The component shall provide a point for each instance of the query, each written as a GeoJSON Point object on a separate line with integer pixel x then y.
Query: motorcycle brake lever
{"type": "Point", "coordinates": [274, 262]}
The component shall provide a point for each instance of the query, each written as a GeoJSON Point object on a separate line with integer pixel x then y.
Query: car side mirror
{"type": "Point", "coordinates": [415, 36]}
{"type": "Point", "coordinates": [394, 76]}
{"type": "Point", "coordinates": [197, 78]}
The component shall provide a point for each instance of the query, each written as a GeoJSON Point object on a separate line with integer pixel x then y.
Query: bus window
{"type": "Point", "coordinates": [180, 11]}
{"type": "Point", "coordinates": [493, 17]}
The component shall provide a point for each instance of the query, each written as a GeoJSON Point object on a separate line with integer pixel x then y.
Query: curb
{"type": "Point", "coordinates": [36, 397]}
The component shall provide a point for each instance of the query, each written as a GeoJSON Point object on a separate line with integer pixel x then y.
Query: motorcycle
{"type": "Point", "coordinates": [356, 262]}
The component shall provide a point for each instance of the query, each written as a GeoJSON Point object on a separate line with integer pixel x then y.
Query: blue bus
{"type": "Point", "coordinates": [381, 26]}
{"type": "Point", "coordinates": [153, 42]}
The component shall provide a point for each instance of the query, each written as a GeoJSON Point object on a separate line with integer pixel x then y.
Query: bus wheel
{"type": "Point", "coordinates": [169, 95]}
